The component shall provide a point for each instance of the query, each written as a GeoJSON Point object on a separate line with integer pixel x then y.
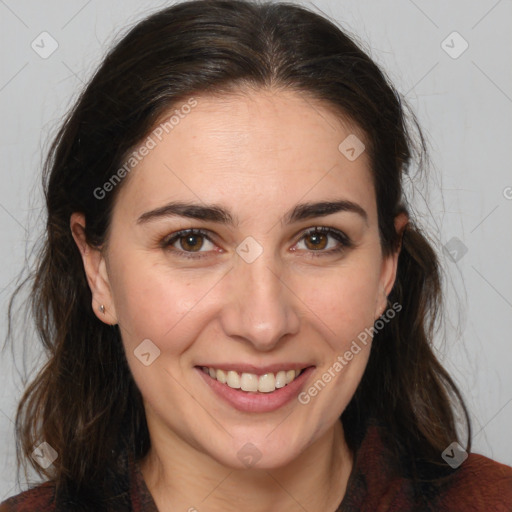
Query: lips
{"type": "Point", "coordinates": [270, 398]}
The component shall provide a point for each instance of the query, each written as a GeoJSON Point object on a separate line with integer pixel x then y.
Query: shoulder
{"type": "Point", "coordinates": [36, 499]}
{"type": "Point", "coordinates": [119, 488]}
{"type": "Point", "coordinates": [478, 484]}
{"type": "Point", "coordinates": [382, 481]}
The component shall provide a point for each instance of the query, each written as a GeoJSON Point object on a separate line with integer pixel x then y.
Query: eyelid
{"type": "Point", "coordinates": [172, 237]}
{"type": "Point", "coordinates": [167, 241]}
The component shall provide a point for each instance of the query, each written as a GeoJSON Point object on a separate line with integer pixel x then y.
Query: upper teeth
{"type": "Point", "coordinates": [250, 381]}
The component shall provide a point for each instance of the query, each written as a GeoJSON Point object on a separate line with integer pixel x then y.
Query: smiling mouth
{"type": "Point", "coordinates": [250, 382]}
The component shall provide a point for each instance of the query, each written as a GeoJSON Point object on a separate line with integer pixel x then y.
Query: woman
{"type": "Point", "coordinates": [237, 304]}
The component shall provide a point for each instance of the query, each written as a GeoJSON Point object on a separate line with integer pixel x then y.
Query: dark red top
{"type": "Point", "coordinates": [478, 484]}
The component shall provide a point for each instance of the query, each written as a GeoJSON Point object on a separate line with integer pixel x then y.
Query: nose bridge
{"type": "Point", "coordinates": [259, 307]}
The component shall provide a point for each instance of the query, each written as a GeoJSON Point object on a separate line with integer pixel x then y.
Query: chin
{"type": "Point", "coordinates": [265, 450]}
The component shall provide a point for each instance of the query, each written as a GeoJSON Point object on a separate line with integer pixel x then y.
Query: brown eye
{"type": "Point", "coordinates": [191, 242]}
{"type": "Point", "coordinates": [316, 241]}
{"type": "Point", "coordinates": [188, 242]}
{"type": "Point", "coordinates": [322, 240]}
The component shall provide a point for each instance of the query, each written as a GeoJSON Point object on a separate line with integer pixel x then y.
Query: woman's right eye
{"type": "Point", "coordinates": [187, 242]}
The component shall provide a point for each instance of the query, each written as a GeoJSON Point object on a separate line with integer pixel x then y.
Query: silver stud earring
{"type": "Point", "coordinates": [102, 309]}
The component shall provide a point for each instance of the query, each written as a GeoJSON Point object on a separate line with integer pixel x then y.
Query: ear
{"type": "Point", "coordinates": [389, 267]}
{"type": "Point", "coordinates": [96, 271]}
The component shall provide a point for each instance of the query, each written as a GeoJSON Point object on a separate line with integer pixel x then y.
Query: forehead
{"type": "Point", "coordinates": [260, 150]}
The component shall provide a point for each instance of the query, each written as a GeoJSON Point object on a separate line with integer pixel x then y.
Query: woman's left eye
{"type": "Point", "coordinates": [323, 240]}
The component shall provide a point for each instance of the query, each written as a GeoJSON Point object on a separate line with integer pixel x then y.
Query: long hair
{"type": "Point", "coordinates": [84, 402]}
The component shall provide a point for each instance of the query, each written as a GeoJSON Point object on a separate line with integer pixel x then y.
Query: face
{"type": "Point", "coordinates": [283, 269]}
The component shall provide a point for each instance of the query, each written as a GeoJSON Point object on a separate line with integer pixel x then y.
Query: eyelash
{"type": "Point", "coordinates": [344, 241]}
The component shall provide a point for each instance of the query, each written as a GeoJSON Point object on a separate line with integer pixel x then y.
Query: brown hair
{"type": "Point", "coordinates": [84, 401]}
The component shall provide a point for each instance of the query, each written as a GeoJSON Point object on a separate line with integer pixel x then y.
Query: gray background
{"type": "Point", "coordinates": [463, 103]}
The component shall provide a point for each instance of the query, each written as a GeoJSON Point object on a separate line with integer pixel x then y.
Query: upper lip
{"type": "Point", "coordinates": [257, 370]}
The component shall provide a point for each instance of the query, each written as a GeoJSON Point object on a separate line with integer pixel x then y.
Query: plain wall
{"type": "Point", "coordinates": [464, 104]}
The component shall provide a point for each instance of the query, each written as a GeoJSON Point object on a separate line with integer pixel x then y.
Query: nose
{"type": "Point", "coordinates": [260, 306]}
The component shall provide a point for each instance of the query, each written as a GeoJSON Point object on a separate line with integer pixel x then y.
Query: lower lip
{"type": "Point", "coordinates": [248, 401]}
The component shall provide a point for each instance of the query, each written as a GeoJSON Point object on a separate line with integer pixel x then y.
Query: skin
{"type": "Point", "coordinates": [257, 155]}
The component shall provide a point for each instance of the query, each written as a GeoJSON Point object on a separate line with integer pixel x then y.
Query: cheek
{"type": "Point", "coordinates": [344, 299]}
{"type": "Point", "coordinates": [167, 309]}
{"type": "Point", "coordinates": [344, 306]}
{"type": "Point", "coordinates": [153, 303]}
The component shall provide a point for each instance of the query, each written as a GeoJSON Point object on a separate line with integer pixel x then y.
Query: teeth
{"type": "Point", "coordinates": [281, 379]}
{"type": "Point", "coordinates": [249, 382]}
{"type": "Point", "coordinates": [266, 383]}
{"type": "Point", "coordinates": [233, 380]}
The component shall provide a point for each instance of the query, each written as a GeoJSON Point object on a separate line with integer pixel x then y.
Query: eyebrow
{"type": "Point", "coordinates": [215, 213]}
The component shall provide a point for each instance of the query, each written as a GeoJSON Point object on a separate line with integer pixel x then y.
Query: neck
{"type": "Point", "coordinates": [182, 478]}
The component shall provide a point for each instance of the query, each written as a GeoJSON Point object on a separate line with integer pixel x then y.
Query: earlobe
{"type": "Point", "coordinates": [95, 270]}
{"type": "Point", "coordinates": [382, 303]}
